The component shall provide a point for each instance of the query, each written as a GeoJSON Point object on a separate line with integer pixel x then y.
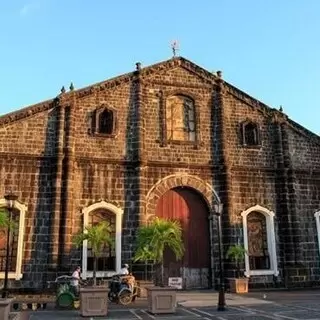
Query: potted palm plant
{"type": "Point", "coordinates": [239, 284]}
{"type": "Point", "coordinates": [98, 236]}
{"type": "Point", "coordinates": [145, 256]}
{"type": "Point", "coordinates": [152, 240]}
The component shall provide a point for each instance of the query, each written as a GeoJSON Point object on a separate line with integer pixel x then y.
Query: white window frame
{"type": "Point", "coordinates": [317, 217]}
{"type": "Point", "coordinates": [17, 275]}
{"type": "Point", "coordinates": [118, 213]}
{"type": "Point", "coordinates": [269, 215]}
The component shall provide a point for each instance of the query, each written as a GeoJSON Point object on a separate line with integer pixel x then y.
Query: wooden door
{"type": "Point", "coordinates": [189, 208]}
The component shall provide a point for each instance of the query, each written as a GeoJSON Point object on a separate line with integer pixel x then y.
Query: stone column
{"type": "Point", "coordinates": [286, 213]}
{"type": "Point", "coordinates": [67, 199]}
{"type": "Point", "coordinates": [221, 169]}
{"type": "Point", "coordinates": [56, 197]}
{"type": "Point", "coordinates": [222, 159]}
{"type": "Point", "coordinates": [291, 198]}
{"type": "Point", "coordinates": [133, 160]}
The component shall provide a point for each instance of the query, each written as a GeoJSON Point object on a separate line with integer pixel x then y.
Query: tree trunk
{"type": "Point", "coordinates": [94, 270]}
{"type": "Point", "coordinates": [146, 271]}
{"type": "Point", "coordinates": [162, 275]}
{"type": "Point", "coordinates": [238, 270]}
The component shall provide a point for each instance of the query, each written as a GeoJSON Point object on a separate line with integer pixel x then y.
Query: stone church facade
{"type": "Point", "coordinates": [168, 140]}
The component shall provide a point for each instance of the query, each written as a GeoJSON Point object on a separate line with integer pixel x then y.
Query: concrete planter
{"type": "Point", "coordinates": [5, 305]}
{"type": "Point", "coordinates": [161, 299]}
{"type": "Point", "coordinates": [142, 285]}
{"type": "Point", "coordinates": [14, 316]}
{"type": "Point", "coordinates": [93, 301]}
{"type": "Point", "coordinates": [238, 285]}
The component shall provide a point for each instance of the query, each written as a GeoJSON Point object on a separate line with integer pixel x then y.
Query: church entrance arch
{"type": "Point", "coordinates": [189, 207]}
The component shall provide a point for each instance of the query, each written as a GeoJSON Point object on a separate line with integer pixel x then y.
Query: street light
{"type": "Point", "coordinates": [218, 208]}
{"type": "Point", "coordinates": [10, 198]}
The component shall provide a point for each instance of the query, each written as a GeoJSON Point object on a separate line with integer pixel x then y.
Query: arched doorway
{"type": "Point", "coordinates": [189, 207]}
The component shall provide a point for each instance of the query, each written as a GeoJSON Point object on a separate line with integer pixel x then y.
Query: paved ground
{"type": "Point", "coordinates": [281, 305]}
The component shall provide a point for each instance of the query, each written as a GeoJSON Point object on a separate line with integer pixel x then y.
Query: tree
{"type": "Point", "coordinates": [155, 237]}
{"type": "Point", "coordinates": [4, 219]}
{"type": "Point", "coordinates": [6, 222]}
{"type": "Point", "coordinates": [98, 236]}
{"type": "Point", "coordinates": [143, 254]}
{"type": "Point", "coordinates": [237, 254]}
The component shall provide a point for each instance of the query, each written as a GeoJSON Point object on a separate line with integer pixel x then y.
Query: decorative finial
{"type": "Point", "coordinates": [71, 86]}
{"type": "Point", "coordinates": [63, 89]}
{"type": "Point", "coordinates": [175, 47]}
{"type": "Point", "coordinates": [219, 74]}
{"type": "Point", "coordinates": [280, 108]}
{"type": "Point", "coordinates": [138, 66]}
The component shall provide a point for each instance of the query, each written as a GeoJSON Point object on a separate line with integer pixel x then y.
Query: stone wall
{"type": "Point", "coordinates": [57, 166]}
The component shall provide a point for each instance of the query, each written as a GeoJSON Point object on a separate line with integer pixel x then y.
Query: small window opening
{"type": "Point", "coordinates": [250, 134]}
{"type": "Point", "coordinates": [106, 122]}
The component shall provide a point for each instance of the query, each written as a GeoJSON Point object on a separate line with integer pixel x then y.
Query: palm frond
{"type": "Point", "coordinates": [5, 221]}
{"type": "Point", "coordinates": [237, 253]}
{"type": "Point", "coordinates": [98, 236]}
{"type": "Point", "coordinates": [3, 218]}
{"type": "Point", "coordinates": [152, 239]}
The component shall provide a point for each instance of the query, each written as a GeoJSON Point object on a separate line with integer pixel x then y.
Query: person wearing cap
{"type": "Point", "coordinates": [125, 269]}
{"type": "Point", "coordinates": [126, 277]}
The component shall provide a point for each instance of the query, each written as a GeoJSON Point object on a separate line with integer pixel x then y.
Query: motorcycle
{"type": "Point", "coordinates": [122, 289]}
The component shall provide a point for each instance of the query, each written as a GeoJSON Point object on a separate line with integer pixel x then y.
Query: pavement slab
{"type": "Point", "coordinates": [203, 306]}
{"type": "Point", "coordinates": [212, 311]}
{"type": "Point", "coordinates": [246, 317]}
{"type": "Point", "coordinates": [303, 314]}
{"type": "Point", "coordinates": [271, 308]}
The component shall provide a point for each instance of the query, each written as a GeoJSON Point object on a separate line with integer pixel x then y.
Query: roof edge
{"type": "Point", "coordinates": [145, 71]}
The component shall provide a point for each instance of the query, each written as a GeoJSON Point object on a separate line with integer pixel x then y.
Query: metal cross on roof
{"type": "Point", "coordinates": [175, 47]}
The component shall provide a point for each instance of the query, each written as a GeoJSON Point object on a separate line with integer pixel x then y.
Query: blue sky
{"type": "Point", "coordinates": [269, 49]}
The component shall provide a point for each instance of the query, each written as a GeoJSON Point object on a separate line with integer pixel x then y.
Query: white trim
{"type": "Point", "coordinates": [22, 211]}
{"type": "Point", "coordinates": [270, 239]}
{"type": "Point", "coordinates": [184, 178]}
{"type": "Point", "coordinates": [317, 217]}
{"type": "Point", "coordinates": [119, 213]}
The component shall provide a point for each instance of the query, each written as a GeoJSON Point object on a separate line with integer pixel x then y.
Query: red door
{"type": "Point", "coordinates": [189, 208]}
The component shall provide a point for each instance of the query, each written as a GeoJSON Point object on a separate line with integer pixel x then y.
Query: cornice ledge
{"type": "Point", "coordinates": [26, 112]}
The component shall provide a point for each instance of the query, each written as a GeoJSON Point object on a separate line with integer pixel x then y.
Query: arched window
{"type": "Point", "coordinates": [107, 258]}
{"type": "Point", "coordinates": [317, 217]}
{"type": "Point", "coordinates": [16, 242]}
{"type": "Point", "coordinates": [250, 134]}
{"type": "Point", "coordinates": [259, 241]}
{"type": "Point", "coordinates": [258, 251]}
{"type": "Point", "coordinates": [106, 122]}
{"type": "Point", "coordinates": [109, 262]}
{"type": "Point", "coordinates": [103, 122]}
{"type": "Point", "coordinates": [13, 244]}
{"type": "Point", "coordinates": [180, 119]}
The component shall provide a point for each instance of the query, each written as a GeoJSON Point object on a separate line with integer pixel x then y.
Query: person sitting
{"type": "Point", "coordinates": [126, 277]}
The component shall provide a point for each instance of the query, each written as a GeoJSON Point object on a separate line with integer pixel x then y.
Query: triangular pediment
{"type": "Point", "coordinates": [179, 67]}
{"type": "Point", "coordinates": [183, 65]}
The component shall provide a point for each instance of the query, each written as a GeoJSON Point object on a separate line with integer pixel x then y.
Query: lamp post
{"type": "Point", "coordinates": [10, 198]}
{"type": "Point", "coordinates": [222, 298]}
